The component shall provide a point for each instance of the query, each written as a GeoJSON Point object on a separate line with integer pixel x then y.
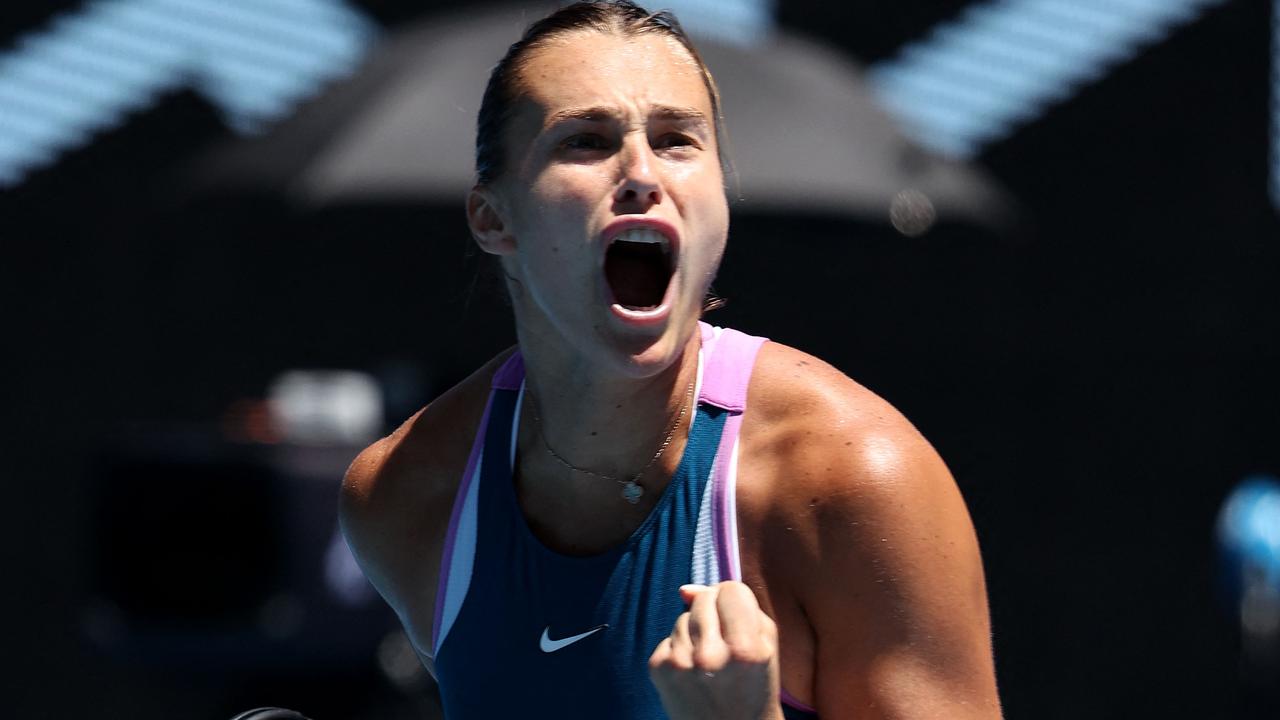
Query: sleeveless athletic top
{"type": "Point", "coordinates": [523, 631]}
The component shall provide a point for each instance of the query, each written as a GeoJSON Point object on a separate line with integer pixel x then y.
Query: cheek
{"type": "Point", "coordinates": [710, 212]}
{"type": "Point", "coordinates": [553, 229]}
{"type": "Point", "coordinates": [717, 236]}
{"type": "Point", "coordinates": [571, 183]}
{"type": "Point", "coordinates": [714, 253]}
{"type": "Point", "coordinates": [561, 206]}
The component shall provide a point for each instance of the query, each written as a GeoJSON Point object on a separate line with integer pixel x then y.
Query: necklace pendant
{"type": "Point", "coordinates": [631, 492]}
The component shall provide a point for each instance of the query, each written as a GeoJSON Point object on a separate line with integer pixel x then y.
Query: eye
{"type": "Point", "coordinates": [585, 141]}
{"type": "Point", "coordinates": [675, 141]}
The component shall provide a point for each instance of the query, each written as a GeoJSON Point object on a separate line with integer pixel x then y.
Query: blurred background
{"type": "Point", "coordinates": [234, 253]}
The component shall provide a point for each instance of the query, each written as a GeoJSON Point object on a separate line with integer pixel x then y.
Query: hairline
{"type": "Point", "coordinates": [519, 90]}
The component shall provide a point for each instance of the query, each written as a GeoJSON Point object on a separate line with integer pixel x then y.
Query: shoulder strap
{"type": "Point", "coordinates": [728, 359]}
{"type": "Point", "coordinates": [511, 374]}
{"type": "Point", "coordinates": [458, 556]}
{"type": "Point", "coordinates": [729, 356]}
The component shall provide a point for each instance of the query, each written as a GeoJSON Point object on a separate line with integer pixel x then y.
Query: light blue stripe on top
{"type": "Point", "coordinates": [462, 560]}
{"type": "Point", "coordinates": [705, 564]}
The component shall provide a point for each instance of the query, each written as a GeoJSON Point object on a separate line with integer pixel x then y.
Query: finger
{"type": "Point", "coordinates": [704, 620]}
{"type": "Point", "coordinates": [739, 617]}
{"type": "Point", "coordinates": [691, 591]}
{"type": "Point", "coordinates": [681, 656]}
{"type": "Point", "coordinates": [709, 649]}
{"type": "Point", "coordinates": [680, 630]}
{"type": "Point", "coordinates": [661, 655]}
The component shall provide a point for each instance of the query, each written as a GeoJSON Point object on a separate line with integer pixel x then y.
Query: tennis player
{"type": "Point", "coordinates": [632, 513]}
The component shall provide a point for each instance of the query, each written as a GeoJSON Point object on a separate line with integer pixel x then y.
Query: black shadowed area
{"type": "Point", "coordinates": [637, 273]}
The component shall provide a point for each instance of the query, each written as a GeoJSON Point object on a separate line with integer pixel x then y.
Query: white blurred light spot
{"type": "Point", "coordinates": [912, 213]}
{"type": "Point", "coordinates": [326, 407]}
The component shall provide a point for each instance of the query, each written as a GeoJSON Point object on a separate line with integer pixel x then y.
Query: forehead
{"type": "Point", "coordinates": [591, 69]}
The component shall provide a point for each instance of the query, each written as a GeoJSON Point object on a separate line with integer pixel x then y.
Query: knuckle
{"type": "Point", "coordinates": [710, 658]}
{"type": "Point", "coordinates": [736, 596]}
{"type": "Point", "coordinates": [768, 627]}
{"type": "Point", "coordinates": [680, 662]}
{"type": "Point", "coordinates": [681, 627]}
{"type": "Point", "coordinates": [753, 653]}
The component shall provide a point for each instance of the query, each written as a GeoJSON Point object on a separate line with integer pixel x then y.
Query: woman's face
{"type": "Point", "coordinates": [613, 205]}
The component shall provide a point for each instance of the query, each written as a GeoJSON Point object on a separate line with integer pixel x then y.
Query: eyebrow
{"type": "Point", "coordinates": [603, 112]}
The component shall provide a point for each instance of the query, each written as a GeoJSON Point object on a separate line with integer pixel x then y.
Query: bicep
{"type": "Point", "coordinates": [901, 618]}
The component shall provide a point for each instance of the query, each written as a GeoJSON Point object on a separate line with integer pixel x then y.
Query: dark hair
{"type": "Point", "coordinates": [620, 17]}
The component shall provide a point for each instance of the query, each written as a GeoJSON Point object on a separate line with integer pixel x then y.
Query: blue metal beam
{"type": "Point", "coordinates": [88, 69]}
{"type": "Point", "coordinates": [1003, 63]}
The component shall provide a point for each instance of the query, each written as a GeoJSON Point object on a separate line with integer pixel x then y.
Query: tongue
{"type": "Point", "coordinates": [637, 274]}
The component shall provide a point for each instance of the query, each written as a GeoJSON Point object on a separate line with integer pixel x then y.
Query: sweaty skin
{"type": "Point", "coordinates": [862, 593]}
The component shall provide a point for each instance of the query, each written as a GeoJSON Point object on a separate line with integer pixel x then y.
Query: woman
{"type": "Point", "coordinates": [597, 523]}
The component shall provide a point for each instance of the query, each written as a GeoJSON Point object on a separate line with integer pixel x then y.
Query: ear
{"type": "Point", "coordinates": [488, 223]}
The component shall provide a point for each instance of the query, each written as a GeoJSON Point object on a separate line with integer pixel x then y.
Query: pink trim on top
{"type": "Point", "coordinates": [729, 363]}
{"type": "Point", "coordinates": [730, 357]}
{"type": "Point", "coordinates": [724, 508]}
{"type": "Point", "coordinates": [513, 367]}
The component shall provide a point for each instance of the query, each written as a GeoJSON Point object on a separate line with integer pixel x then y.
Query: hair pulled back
{"type": "Point", "coordinates": [618, 17]}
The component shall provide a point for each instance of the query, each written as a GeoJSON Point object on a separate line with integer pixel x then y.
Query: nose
{"type": "Point", "coordinates": [639, 183]}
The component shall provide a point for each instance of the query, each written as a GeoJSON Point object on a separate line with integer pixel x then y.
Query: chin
{"type": "Point", "coordinates": [642, 355]}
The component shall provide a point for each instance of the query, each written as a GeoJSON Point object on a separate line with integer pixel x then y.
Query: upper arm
{"type": "Point", "coordinates": [397, 497]}
{"type": "Point", "coordinates": [358, 515]}
{"type": "Point", "coordinates": [872, 538]}
{"type": "Point", "coordinates": [902, 627]}
{"type": "Point", "coordinates": [392, 509]}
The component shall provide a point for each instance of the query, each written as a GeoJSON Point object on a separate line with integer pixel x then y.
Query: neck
{"type": "Point", "coordinates": [601, 419]}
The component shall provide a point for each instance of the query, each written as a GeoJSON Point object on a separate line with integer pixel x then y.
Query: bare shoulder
{"type": "Point", "coordinates": [398, 493]}
{"type": "Point", "coordinates": [841, 464]}
{"type": "Point", "coordinates": [818, 419]}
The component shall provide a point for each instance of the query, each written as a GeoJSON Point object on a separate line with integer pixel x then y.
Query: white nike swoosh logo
{"type": "Point", "coordinates": [549, 646]}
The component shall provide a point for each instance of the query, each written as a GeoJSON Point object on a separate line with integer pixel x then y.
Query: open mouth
{"type": "Point", "coordinates": [638, 268]}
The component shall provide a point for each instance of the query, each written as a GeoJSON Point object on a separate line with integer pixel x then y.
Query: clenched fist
{"type": "Point", "coordinates": [721, 659]}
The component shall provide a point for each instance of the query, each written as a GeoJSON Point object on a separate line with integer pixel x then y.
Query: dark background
{"type": "Point", "coordinates": [1098, 380]}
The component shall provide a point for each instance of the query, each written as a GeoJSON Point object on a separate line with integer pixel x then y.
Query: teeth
{"type": "Point", "coordinates": [642, 235]}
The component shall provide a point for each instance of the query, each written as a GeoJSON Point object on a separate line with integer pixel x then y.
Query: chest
{"type": "Point", "coordinates": [582, 516]}
{"type": "Point", "coordinates": [562, 635]}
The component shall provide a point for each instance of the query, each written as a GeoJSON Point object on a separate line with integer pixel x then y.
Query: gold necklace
{"type": "Point", "coordinates": [631, 491]}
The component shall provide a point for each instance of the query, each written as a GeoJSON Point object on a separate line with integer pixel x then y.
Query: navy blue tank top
{"type": "Point", "coordinates": [523, 631]}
